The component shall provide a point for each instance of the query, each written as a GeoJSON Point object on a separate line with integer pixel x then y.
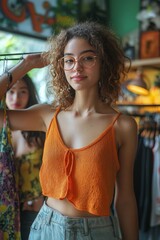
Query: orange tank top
{"type": "Point", "coordinates": [85, 176]}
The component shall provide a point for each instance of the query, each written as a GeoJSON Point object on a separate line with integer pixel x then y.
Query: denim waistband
{"type": "Point", "coordinates": [55, 216]}
{"type": "Point", "coordinates": [59, 224]}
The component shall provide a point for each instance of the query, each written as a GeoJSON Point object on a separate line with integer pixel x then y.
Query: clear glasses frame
{"type": "Point", "coordinates": [68, 62]}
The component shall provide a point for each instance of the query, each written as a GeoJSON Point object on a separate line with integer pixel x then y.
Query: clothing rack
{"type": "Point", "coordinates": [142, 115]}
{"type": "Point", "coordinates": [6, 55]}
{"type": "Point", "coordinates": [146, 176]}
{"type": "Point", "coordinates": [140, 110]}
{"type": "Point", "coordinates": [138, 105]}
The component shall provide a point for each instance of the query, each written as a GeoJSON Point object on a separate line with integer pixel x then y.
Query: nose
{"type": "Point", "coordinates": [77, 65]}
{"type": "Point", "coordinates": [16, 96]}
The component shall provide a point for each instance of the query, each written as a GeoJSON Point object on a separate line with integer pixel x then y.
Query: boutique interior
{"type": "Point", "coordinates": [141, 99]}
{"type": "Point", "coordinates": [139, 30]}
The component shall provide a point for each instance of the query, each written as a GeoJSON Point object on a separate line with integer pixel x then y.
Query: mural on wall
{"type": "Point", "coordinates": [37, 18]}
{"type": "Point", "coordinates": [43, 18]}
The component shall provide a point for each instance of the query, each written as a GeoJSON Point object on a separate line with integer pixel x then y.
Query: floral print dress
{"type": "Point", "coordinates": [9, 199]}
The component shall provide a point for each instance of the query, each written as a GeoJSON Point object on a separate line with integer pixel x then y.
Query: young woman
{"type": "Point", "coordinates": [90, 147]}
{"type": "Point", "coordinates": [28, 149]}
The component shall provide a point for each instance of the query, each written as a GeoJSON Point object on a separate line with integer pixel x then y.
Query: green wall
{"type": "Point", "coordinates": [122, 16]}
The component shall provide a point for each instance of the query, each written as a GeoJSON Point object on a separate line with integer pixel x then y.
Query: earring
{"type": "Point", "coordinates": [100, 84]}
{"type": "Point", "coordinates": [68, 88]}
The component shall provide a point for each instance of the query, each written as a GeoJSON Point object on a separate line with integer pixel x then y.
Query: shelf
{"type": "Point", "coordinates": [152, 62]}
{"type": "Point", "coordinates": [137, 105]}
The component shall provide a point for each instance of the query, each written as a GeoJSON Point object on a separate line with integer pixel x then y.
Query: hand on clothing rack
{"type": "Point", "coordinates": [27, 63]}
{"type": "Point", "coordinates": [11, 56]}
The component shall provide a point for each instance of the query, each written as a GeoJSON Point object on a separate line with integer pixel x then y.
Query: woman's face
{"type": "Point", "coordinates": [81, 76]}
{"type": "Point", "coordinates": [17, 97]}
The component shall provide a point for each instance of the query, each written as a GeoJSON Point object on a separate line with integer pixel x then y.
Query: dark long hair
{"type": "Point", "coordinates": [32, 137]}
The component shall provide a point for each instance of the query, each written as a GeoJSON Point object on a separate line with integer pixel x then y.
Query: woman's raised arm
{"type": "Point", "coordinates": [30, 119]}
{"type": "Point", "coordinates": [30, 62]}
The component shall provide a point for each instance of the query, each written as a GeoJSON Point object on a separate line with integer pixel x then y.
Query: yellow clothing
{"type": "Point", "coordinates": [27, 175]}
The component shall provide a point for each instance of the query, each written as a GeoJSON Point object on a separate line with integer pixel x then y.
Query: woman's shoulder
{"type": "Point", "coordinates": [45, 108]}
{"type": "Point", "coordinates": [46, 111]}
{"type": "Point", "coordinates": [126, 127]}
{"type": "Point", "coordinates": [123, 121]}
{"type": "Point", "coordinates": [127, 119]}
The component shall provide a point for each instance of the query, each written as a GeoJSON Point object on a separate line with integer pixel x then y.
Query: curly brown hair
{"type": "Point", "coordinates": [109, 49]}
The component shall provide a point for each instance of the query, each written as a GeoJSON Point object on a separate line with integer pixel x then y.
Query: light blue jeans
{"type": "Point", "coordinates": [52, 225]}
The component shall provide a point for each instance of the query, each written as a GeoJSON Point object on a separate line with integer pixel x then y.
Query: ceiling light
{"type": "Point", "coordinates": [138, 85]}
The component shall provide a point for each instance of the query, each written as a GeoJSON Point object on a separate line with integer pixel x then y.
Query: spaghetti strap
{"type": "Point", "coordinates": [115, 119]}
{"type": "Point", "coordinates": [57, 111]}
{"type": "Point", "coordinates": [53, 118]}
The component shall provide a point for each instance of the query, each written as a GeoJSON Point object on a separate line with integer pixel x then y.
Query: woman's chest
{"type": "Point", "coordinates": [80, 132]}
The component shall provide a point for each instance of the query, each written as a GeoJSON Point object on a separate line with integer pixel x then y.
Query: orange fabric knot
{"type": "Point", "coordinates": [69, 159]}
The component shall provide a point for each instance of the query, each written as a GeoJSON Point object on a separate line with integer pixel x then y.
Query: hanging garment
{"type": "Point", "coordinates": [148, 169]}
{"type": "Point", "coordinates": [9, 201]}
{"type": "Point", "coordinates": [143, 170]}
{"type": "Point", "coordinates": [155, 213]}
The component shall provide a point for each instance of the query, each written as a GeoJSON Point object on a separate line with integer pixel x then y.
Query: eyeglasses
{"type": "Point", "coordinates": [68, 62]}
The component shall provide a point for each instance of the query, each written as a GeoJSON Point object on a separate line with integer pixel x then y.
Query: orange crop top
{"type": "Point", "coordinates": [85, 176]}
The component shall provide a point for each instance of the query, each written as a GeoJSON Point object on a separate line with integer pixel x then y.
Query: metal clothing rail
{"type": "Point", "coordinates": [6, 55]}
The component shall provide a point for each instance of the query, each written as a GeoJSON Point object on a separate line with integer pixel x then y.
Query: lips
{"type": "Point", "coordinates": [16, 106]}
{"type": "Point", "coordinates": [78, 78]}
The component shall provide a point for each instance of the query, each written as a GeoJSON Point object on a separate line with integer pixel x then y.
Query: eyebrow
{"type": "Point", "coordinates": [85, 51]}
{"type": "Point", "coordinates": [21, 88]}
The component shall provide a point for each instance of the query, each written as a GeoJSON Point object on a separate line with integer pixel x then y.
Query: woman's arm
{"type": "Point", "coordinates": [19, 70]}
{"type": "Point", "coordinates": [35, 118]}
{"type": "Point", "coordinates": [27, 119]}
{"type": "Point", "coordinates": [125, 201]}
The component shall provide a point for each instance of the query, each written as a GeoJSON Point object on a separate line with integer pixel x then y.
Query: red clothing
{"type": "Point", "coordinates": [85, 176]}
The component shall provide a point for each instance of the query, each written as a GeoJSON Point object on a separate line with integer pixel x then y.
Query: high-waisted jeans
{"type": "Point", "coordinates": [52, 225]}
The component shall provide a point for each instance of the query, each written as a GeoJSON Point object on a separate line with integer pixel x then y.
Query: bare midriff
{"type": "Point", "coordinates": [66, 208]}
